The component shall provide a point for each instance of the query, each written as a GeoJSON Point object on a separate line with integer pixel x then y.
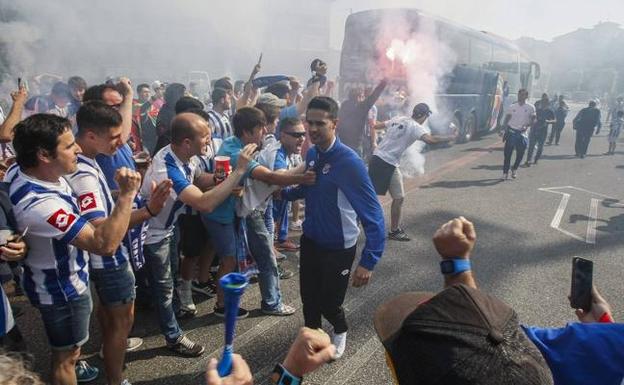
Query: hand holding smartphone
{"type": "Point", "coordinates": [582, 282]}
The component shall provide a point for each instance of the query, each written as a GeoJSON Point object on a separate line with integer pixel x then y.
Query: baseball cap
{"type": "Point", "coordinates": [270, 99]}
{"type": "Point", "coordinates": [421, 109]}
{"type": "Point", "coordinates": [157, 84]}
{"type": "Point", "coordinates": [458, 336]}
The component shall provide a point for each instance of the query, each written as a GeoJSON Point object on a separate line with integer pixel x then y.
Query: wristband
{"type": "Point", "coordinates": [149, 211]}
{"type": "Point", "coordinates": [606, 318]}
{"type": "Point", "coordinates": [454, 266]}
{"type": "Point", "coordinates": [281, 376]}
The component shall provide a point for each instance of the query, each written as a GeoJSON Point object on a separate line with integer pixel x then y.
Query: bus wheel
{"type": "Point", "coordinates": [456, 124]}
{"type": "Point", "coordinates": [470, 128]}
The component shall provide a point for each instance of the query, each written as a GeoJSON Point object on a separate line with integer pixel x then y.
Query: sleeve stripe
{"type": "Point", "coordinates": [74, 230]}
{"type": "Point", "coordinates": [93, 215]}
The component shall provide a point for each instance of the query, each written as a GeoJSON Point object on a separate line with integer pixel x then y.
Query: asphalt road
{"type": "Point", "coordinates": [526, 240]}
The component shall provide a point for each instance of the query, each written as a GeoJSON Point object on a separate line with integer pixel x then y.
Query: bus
{"type": "Point", "coordinates": [488, 70]}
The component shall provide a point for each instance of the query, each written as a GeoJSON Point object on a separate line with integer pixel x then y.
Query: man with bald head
{"type": "Point", "coordinates": [177, 162]}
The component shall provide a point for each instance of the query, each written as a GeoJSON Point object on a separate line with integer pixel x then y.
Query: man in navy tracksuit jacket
{"type": "Point", "coordinates": [343, 193]}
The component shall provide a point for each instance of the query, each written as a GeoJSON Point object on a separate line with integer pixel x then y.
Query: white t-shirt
{"type": "Point", "coordinates": [95, 201]}
{"type": "Point", "coordinates": [166, 165]}
{"type": "Point", "coordinates": [521, 116]}
{"type": "Point", "coordinates": [401, 132]}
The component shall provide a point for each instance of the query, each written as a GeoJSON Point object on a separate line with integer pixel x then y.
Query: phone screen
{"type": "Point", "coordinates": [582, 272]}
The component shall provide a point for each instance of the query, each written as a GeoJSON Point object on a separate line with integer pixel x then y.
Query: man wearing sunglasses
{"type": "Point", "coordinates": [401, 132]}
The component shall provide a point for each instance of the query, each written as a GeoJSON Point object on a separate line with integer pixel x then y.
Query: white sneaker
{"type": "Point", "coordinates": [134, 343]}
{"type": "Point", "coordinates": [340, 342]}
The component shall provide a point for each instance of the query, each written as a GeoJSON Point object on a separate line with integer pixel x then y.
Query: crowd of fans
{"type": "Point", "coordinates": [126, 188]}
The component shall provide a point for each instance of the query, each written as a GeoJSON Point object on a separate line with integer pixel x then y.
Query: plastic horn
{"type": "Point", "coordinates": [233, 286]}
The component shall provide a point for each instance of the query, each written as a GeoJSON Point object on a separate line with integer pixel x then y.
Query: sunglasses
{"type": "Point", "coordinates": [295, 134]}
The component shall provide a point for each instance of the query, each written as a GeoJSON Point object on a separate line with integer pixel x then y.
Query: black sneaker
{"type": "Point", "coordinates": [284, 273]}
{"type": "Point", "coordinates": [185, 313]}
{"type": "Point", "coordinates": [187, 348]}
{"type": "Point", "coordinates": [220, 312]}
{"type": "Point", "coordinates": [398, 235]}
{"type": "Point", "coordinates": [206, 288]}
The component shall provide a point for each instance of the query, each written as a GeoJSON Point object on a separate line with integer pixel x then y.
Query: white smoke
{"type": "Point", "coordinates": [418, 52]}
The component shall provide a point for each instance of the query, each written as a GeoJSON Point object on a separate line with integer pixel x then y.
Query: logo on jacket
{"type": "Point", "coordinates": [87, 201]}
{"type": "Point", "coordinates": [326, 168]}
{"type": "Point", "coordinates": [311, 164]}
{"type": "Point", "coordinates": [61, 219]}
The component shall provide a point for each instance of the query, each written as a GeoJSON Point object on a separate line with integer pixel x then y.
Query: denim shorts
{"type": "Point", "coordinates": [67, 324]}
{"type": "Point", "coordinates": [223, 237]}
{"type": "Point", "coordinates": [114, 286]}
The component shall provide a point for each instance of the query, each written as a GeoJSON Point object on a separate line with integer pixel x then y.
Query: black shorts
{"type": "Point", "coordinates": [193, 235]}
{"type": "Point", "coordinates": [380, 173]}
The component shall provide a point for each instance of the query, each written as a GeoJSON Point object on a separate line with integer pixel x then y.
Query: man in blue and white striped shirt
{"type": "Point", "coordinates": [178, 162]}
{"type": "Point", "coordinates": [56, 277]}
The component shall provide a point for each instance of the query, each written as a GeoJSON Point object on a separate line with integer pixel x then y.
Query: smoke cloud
{"type": "Point", "coordinates": [416, 51]}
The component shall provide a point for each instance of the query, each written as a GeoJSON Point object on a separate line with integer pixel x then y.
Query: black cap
{"type": "Point", "coordinates": [459, 336]}
{"type": "Point", "coordinates": [421, 109]}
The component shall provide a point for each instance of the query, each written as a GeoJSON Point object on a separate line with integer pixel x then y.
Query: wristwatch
{"type": "Point", "coordinates": [454, 266]}
{"type": "Point", "coordinates": [281, 376]}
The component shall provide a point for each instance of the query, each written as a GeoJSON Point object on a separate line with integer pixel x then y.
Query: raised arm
{"type": "Point", "coordinates": [104, 239]}
{"type": "Point", "coordinates": [372, 98]}
{"type": "Point", "coordinates": [125, 110]}
{"type": "Point", "coordinates": [455, 240]}
{"type": "Point", "coordinates": [15, 114]}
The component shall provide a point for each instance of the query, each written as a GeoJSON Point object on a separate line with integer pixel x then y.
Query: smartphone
{"type": "Point", "coordinates": [580, 293]}
{"type": "Point", "coordinates": [19, 83]}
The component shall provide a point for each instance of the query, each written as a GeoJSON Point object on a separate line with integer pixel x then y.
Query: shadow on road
{"type": "Point", "coordinates": [489, 167]}
{"type": "Point", "coordinates": [464, 183]}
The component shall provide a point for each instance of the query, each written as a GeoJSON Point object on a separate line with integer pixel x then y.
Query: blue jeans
{"type": "Point", "coordinates": [280, 212]}
{"type": "Point", "coordinates": [67, 324]}
{"type": "Point", "coordinates": [515, 141]}
{"type": "Point", "coordinates": [158, 264]}
{"type": "Point", "coordinates": [114, 286]}
{"type": "Point", "coordinates": [261, 246]}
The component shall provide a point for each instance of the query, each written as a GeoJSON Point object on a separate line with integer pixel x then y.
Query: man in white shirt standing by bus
{"type": "Point", "coordinates": [518, 121]}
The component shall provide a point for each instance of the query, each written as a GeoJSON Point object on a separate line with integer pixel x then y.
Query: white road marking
{"type": "Point", "coordinates": [591, 222]}
{"type": "Point", "coordinates": [590, 233]}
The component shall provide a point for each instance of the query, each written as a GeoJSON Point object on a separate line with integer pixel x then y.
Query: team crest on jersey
{"type": "Point", "coordinates": [87, 201]}
{"type": "Point", "coordinates": [311, 164]}
{"type": "Point", "coordinates": [61, 219]}
{"type": "Point", "coordinates": [326, 168]}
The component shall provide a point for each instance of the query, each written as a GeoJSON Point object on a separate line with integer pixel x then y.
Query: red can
{"type": "Point", "coordinates": [222, 168]}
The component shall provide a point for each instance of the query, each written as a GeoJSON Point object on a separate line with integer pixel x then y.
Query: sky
{"type": "Point", "coordinates": [543, 19]}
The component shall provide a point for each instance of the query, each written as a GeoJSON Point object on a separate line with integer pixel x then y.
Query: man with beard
{"type": "Point", "coordinates": [341, 198]}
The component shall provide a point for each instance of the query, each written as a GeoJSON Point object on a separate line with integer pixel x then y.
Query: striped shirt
{"type": "Point", "coordinates": [6, 315]}
{"type": "Point", "coordinates": [95, 202]}
{"type": "Point", "coordinates": [166, 165]}
{"type": "Point", "coordinates": [222, 129]}
{"type": "Point", "coordinates": [55, 272]}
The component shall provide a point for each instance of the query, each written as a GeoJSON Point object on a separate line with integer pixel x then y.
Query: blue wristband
{"type": "Point", "coordinates": [281, 376]}
{"type": "Point", "coordinates": [454, 266]}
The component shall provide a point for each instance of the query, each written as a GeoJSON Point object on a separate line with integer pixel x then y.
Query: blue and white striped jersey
{"type": "Point", "coordinates": [95, 201]}
{"type": "Point", "coordinates": [166, 165]}
{"type": "Point", "coordinates": [6, 315]}
{"type": "Point", "coordinates": [55, 272]}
